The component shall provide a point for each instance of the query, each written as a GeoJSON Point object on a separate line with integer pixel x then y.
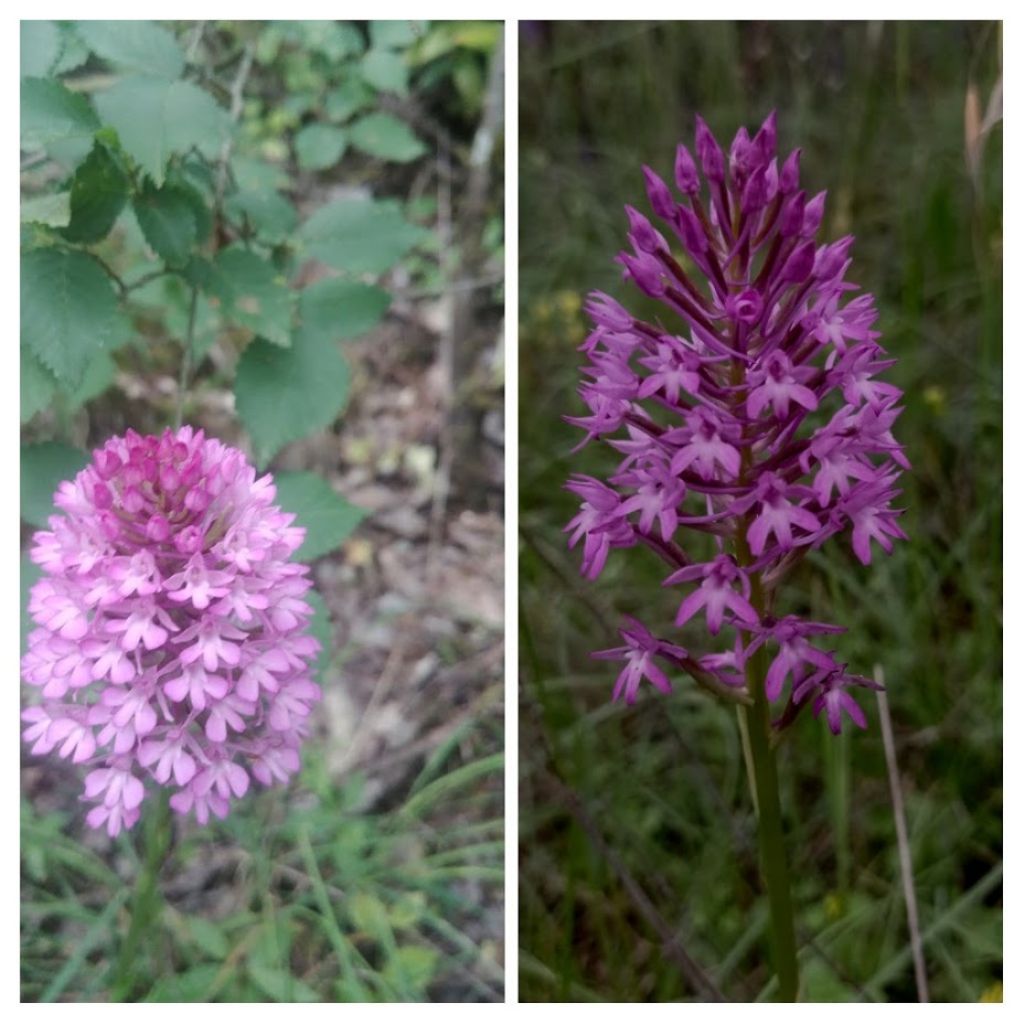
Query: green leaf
{"type": "Point", "coordinates": [99, 375]}
{"type": "Point", "coordinates": [37, 386]}
{"type": "Point", "coordinates": [99, 191]}
{"type": "Point", "coordinates": [360, 235]}
{"type": "Point", "coordinates": [256, 175]}
{"type": "Point", "coordinates": [155, 119]}
{"type": "Point", "coordinates": [336, 40]}
{"type": "Point", "coordinates": [385, 70]}
{"type": "Point", "coordinates": [168, 222]}
{"type": "Point", "coordinates": [43, 468]}
{"type": "Point", "coordinates": [284, 394]}
{"type": "Point", "coordinates": [141, 46]}
{"type": "Point", "coordinates": [347, 99]}
{"type": "Point", "coordinates": [320, 627]}
{"type": "Point", "coordinates": [324, 514]}
{"type": "Point", "coordinates": [384, 136]}
{"type": "Point", "coordinates": [40, 47]}
{"type": "Point", "coordinates": [68, 311]}
{"type": "Point", "coordinates": [202, 214]}
{"type": "Point", "coordinates": [73, 51]}
{"type": "Point", "coordinates": [395, 34]}
{"type": "Point", "coordinates": [318, 146]}
{"type": "Point", "coordinates": [411, 967]}
{"type": "Point", "coordinates": [252, 294]}
{"type": "Point", "coordinates": [333, 309]}
{"type": "Point", "coordinates": [269, 214]}
{"type": "Point", "coordinates": [280, 986]}
{"type": "Point", "coordinates": [53, 210]}
{"type": "Point", "coordinates": [50, 112]}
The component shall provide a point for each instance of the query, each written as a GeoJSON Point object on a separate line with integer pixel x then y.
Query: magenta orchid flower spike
{"type": "Point", "coordinates": [751, 412]}
{"type": "Point", "coordinates": [172, 645]}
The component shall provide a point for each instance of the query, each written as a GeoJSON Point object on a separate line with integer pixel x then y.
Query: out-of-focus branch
{"type": "Point", "coordinates": [902, 842]}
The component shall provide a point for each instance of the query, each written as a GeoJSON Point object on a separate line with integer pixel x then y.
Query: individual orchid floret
{"type": "Point", "coordinates": [168, 588]}
{"type": "Point", "coordinates": [639, 654]}
{"type": "Point", "coordinates": [752, 415]}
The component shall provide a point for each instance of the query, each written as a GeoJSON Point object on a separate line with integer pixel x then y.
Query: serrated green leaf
{"type": "Point", "coordinates": [384, 136]}
{"type": "Point", "coordinates": [284, 394]}
{"type": "Point", "coordinates": [411, 967]}
{"type": "Point", "coordinates": [54, 210]}
{"type": "Point", "coordinates": [280, 986]}
{"type": "Point", "coordinates": [318, 146]}
{"type": "Point", "coordinates": [326, 516]}
{"type": "Point", "coordinates": [73, 51]}
{"type": "Point", "coordinates": [320, 627]}
{"type": "Point", "coordinates": [334, 309]}
{"type": "Point", "coordinates": [167, 222]}
{"type": "Point", "coordinates": [268, 213]}
{"type": "Point", "coordinates": [360, 235]}
{"type": "Point", "coordinates": [395, 34]}
{"type": "Point", "coordinates": [43, 468]}
{"type": "Point", "coordinates": [347, 99]}
{"type": "Point", "coordinates": [99, 375]}
{"type": "Point", "coordinates": [69, 311]}
{"type": "Point", "coordinates": [155, 119]}
{"type": "Point", "coordinates": [252, 294]}
{"type": "Point", "coordinates": [99, 191]}
{"type": "Point", "coordinates": [141, 46]}
{"type": "Point", "coordinates": [385, 70]}
{"type": "Point", "coordinates": [50, 112]}
{"type": "Point", "coordinates": [40, 47]}
{"type": "Point", "coordinates": [202, 213]}
{"type": "Point", "coordinates": [37, 385]}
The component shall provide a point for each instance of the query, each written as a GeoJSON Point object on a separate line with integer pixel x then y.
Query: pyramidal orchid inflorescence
{"type": "Point", "coordinates": [752, 413]}
{"type": "Point", "coordinates": [172, 644]}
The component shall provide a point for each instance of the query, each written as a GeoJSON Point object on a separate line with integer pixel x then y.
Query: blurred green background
{"type": "Point", "coordinates": [638, 845]}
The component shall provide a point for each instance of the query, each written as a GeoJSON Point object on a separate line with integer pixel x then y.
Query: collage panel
{"type": "Point", "coordinates": [760, 751]}
{"type": "Point", "coordinates": [262, 477]}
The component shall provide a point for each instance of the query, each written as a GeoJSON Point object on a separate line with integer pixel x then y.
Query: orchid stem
{"type": "Point", "coordinates": [774, 866]}
{"type": "Point", "coordinates": [146, 901]}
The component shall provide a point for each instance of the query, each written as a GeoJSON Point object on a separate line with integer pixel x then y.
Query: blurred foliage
{"type": "Point", "coordinates": [312, 900]}
{"type": "Point", "coordinates": [879, 110]}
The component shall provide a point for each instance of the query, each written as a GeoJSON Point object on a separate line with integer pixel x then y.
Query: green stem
{"type": "Point", "coordinates": [769, 812]}
{"type": "Point", "coordinates": [156, 842]}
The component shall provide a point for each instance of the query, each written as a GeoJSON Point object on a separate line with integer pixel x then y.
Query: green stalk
{"type": "Point", "coordinates": [769, 812]}
{"type": "Point", "coordinates": [146, 902]}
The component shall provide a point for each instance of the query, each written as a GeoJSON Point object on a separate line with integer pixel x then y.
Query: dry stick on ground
{"type": "Point", "coordinates": [458, 355]}
{"type": "Point", "coordinates": [446, 355]}
{"type": "Point", "coordinates": [903, 842]}
{"type": "Point", "coordinates": [385, 681]}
